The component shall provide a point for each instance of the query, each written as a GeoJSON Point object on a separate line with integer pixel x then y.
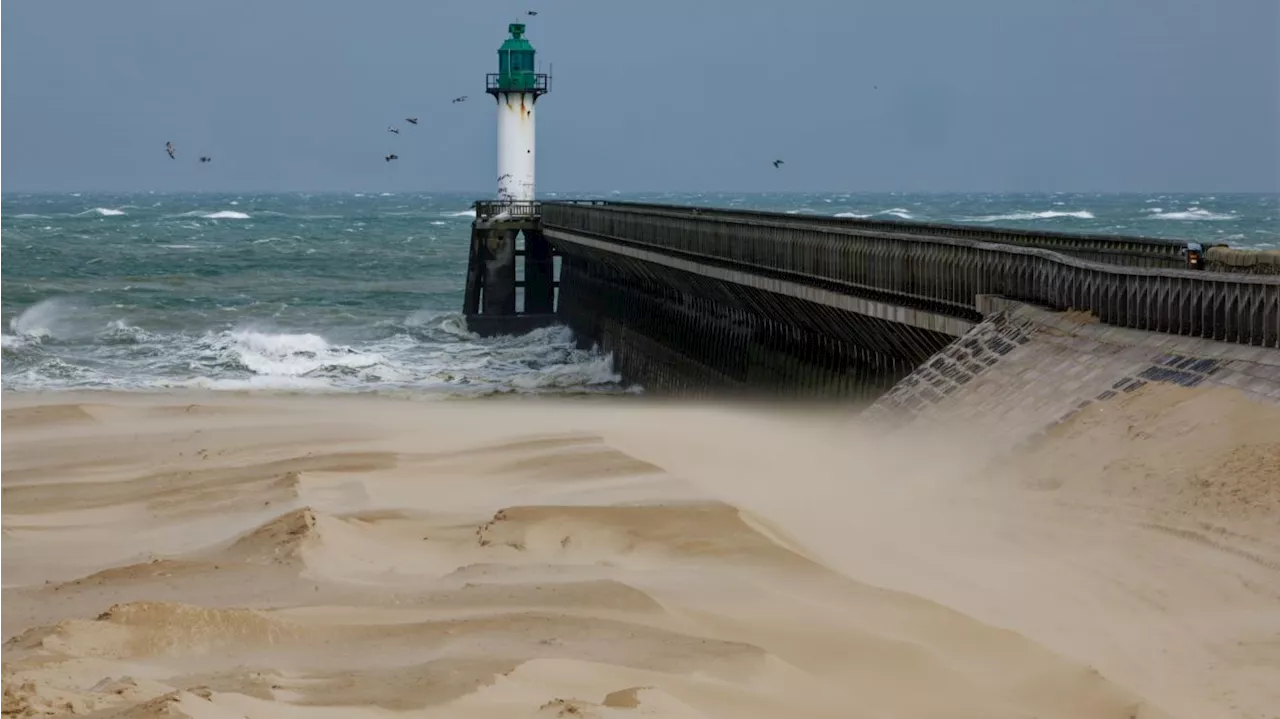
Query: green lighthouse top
{"type": "Point", "coordinates": [516, 41]}
{"type": "Point", "coordinates": [516, 67]}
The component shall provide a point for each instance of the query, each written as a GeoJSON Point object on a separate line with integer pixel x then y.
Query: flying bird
{"type": "Point", "coordinates": [411, 120]}
{"type": "Point", "coordinates": [391, 157]}
{"type": "Point", "coordinates": [533, 12]}
{"type": "Point", "coordinates": [392, 129]}
{"type": "Point", "coordinates": [168, 147]}
{"type": "Point", "coordinates": [206, 158]}
{"type": "Point", "coordinates": [777, 163]}
{"type": "Point", "coordinates": [460, 99]}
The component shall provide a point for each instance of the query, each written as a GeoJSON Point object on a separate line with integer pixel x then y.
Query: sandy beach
{"type": "Point", "coordinates": [237, 555]}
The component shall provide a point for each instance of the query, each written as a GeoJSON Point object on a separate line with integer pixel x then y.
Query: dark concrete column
{"type": "Point", "coordinates": [539, 274]}
{"type": "Point", "coordinates": [499, 272]}
{"type": "Point", "coordinates": [475, 273]}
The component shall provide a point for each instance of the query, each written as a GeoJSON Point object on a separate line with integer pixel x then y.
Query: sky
{"type": "Point", "coordinates": [676, 95]}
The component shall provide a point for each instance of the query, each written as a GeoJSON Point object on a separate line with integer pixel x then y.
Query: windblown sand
{"type": "Point", "coordinates": [264, 556]}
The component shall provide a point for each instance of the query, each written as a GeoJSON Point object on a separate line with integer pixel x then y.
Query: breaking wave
{"type": "Point", "coordinates": [898, 212]}
{"type": "Point", "coordinates": [1189, 214]}
{"type": "Point", "coordinates": [62, 343]}
{"type": "Point", "coordinates": [1027, 216]}
{"type": "Point", "coordinates": [216, 215]}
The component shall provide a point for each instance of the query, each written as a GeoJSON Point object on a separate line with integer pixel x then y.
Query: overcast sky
{"type": "Point", "coordinates": [926, 95]}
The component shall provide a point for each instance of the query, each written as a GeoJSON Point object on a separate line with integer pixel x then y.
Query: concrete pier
{"type": "Point", "coordinates": [502, 233]}
{"type": "Point", "coordinates": [696, 300]}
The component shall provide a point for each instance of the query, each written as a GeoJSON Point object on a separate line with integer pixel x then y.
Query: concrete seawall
{"type": "Point", "coordinates": [1254, 262]}
{"type": "Point", "coordinates": [1024, 369]}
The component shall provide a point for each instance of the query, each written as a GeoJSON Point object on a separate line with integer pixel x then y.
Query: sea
{"type": "Point", "coordinates": [361, 291]}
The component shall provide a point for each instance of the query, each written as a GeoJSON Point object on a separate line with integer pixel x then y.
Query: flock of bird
{"type": "Point", "coordinates": [412, 121]}
{"type": "Point", "coordinates": [393, 129]}
{"type": "Point", "coordinates": [168, 146]}
{"type": "Point", "coordinates": [173, 155]}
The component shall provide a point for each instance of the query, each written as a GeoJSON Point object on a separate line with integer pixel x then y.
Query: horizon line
{"type": "Point", "coordinates": [486, 195]}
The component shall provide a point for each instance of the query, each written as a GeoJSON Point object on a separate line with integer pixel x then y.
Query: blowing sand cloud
{"type": "Point", "coordinates": [317, 557]}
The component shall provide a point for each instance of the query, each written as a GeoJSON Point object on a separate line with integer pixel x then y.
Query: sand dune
{"type": "Point", "coordinates": [269, 556]}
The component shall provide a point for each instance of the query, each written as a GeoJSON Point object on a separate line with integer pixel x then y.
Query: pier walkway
{"type": "Point", "coordinates": [708, 297]}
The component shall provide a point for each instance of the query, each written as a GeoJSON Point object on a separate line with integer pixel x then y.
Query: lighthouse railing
{"type": "Point", "coordinates": [498, 209]}
{"type": "Point", "coordinates": [535, 82]}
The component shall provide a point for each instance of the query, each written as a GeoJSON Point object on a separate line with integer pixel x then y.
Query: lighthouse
{"type": "Point", "coordinates": [511, 227]}
{"type": "Point", "coordinates": [516, 87]}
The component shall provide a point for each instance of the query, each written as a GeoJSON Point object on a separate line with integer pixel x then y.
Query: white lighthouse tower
{"type": "Point", "coordinates": [516, 87]}
{"type": "Point", "coordinates": [491, 300]}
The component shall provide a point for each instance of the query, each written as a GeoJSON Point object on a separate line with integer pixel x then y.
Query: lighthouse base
{"type": "Point", "coordinates": [497, 300]}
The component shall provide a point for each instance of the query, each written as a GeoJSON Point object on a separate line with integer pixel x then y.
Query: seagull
{"type": "Point", "coordinates": [411, 120]}
{"type": "Point", "coordinates": [389, 158]}
{"type": "Point", "coordinates": [777, 163]}
{"type": "Point", "coordinates": [392, 129]}
{"type": "Point", "coordinates": [460, 99]}
{"type": "Point", "coordinates": [206, 158]}
{"type": "Point", "coordinates": [168, 147]}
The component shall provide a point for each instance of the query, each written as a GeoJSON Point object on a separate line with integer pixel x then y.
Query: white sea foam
{"type": "Point", "coordinates": [102, 211]}
{"type": "Point", "coordinates": [11, 342]}
{"type": "Point", "coordinates": [430, 351]}
{"type": "Point", "coordinates": [256, 382]}
{"type": "Point", "coordinates": [1025, 216]}
{"type": "Point", "coordinates": [898, 212]}
{"type": "Point", "coordinates": [449, 323]}
{"type": "Point", "coordinates": [470, 212]}
{"type": "Point", "coordinates": [219, 215]}
{"type": "Point", "coordinates": [285, 354]}
{"type": "Point", "coordinates": [1190, 214]}
{"type": "Point", "coordinates": [119, 332]}
{"type": "Point", "coordinates": [597, 371]}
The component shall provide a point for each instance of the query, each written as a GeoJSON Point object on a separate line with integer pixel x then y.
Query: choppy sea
{"type": "Point", "coordinates": [361, 291]}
